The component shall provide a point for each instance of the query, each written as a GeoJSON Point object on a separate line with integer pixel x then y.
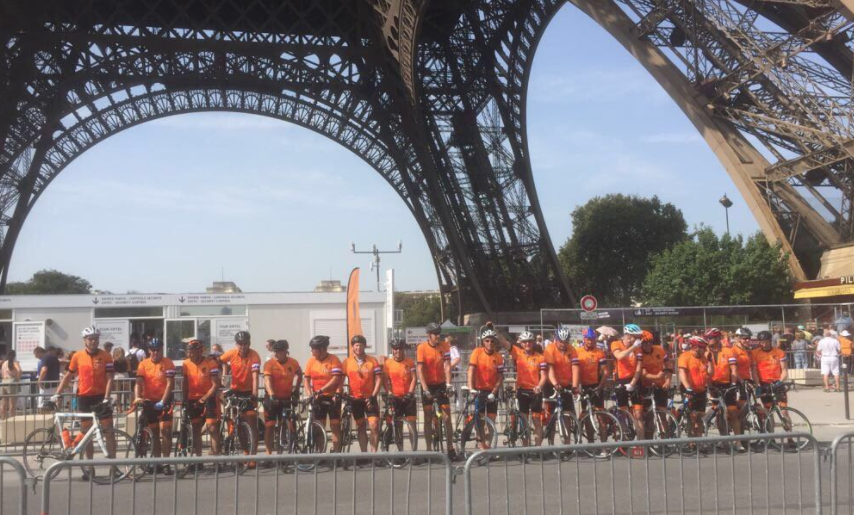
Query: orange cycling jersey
{"type": "Point", "coordinates": [282, 376]}
{"type": "Point", "coordinates": [528, 368]}
{"type": "Point", "coordinates": [432, 360]}
{"type": "Point", "coordinates": [653, 362]}
{"type": "Point", "coordinates": [91, 371]}
{"type": "Point", "coordinates": [743, 362]}
{"type": "Point", "coordinates": [362, 375]}
{"type": "Point", "coordinates": [400, 374]}
{"type": "Point", "coordinates": [321, 372]}
{"type": "Point", "coordinates": [589, 364]}
{"type": "Point", "coordinates": [199, 377]}
{"type": "Point", "coordinates": [561, 362]}
{"type": "Point", "coordinates": [154, 377]}
{"type": "Point", "coordinates": [626, 367]}
{"type": "Point", "coordinates": [487, 368]}
{"type": "Point", "coordinates": [697, 371]}
{"type": "Point", "coordinates": [769, 365]}
{"type": "Point", "coordinates": [722, 371]}
{"type": "Point", "coordinates": [242, 368]}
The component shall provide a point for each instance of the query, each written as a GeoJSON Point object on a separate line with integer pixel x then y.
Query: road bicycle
{"type": "Point", "coordinates": [625, 418]}
{"type": "Point", "coordinates": [715, 421]}
{"type": "Point", "coordinates": [784, 419]}
{"type": "Point", "coordinates": [397, 434]}
{"type": "Point", "coordinates": [517, 426]}
{"type": "Point", "coordinates": [347, 433]}
{"type": "Point", "coordinates": [438, 437]}
{"type": "Point", "coordinates": [185, 445]}
{"type": "Point", "coordinates": [659, 422]}
{"type": "Point", "coordinates": [237, 436]}
{"type": "Point", "coordinates": [753, 416]}
{"type": "Point", "coordinates": [45, 446]}
{"type": "Point", "coordinates": [475, 430]}
{"type": "Point", "coordinates": [309, 436]}
{"type": "Point", "coordinates": [597, 426]}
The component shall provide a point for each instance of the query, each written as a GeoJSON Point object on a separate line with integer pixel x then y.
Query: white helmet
{"type": "Point", "coordinates": [526, 337]}
{"type": "Point", "coordinates": [562, 334]}
{"type": "Point", "coordinates": [91, 331]}
{"type": "Point", "coordinates": [488, 333]}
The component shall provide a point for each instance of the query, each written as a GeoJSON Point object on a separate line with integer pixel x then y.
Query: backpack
{"type": "Point", "coordinates": [133, 362]}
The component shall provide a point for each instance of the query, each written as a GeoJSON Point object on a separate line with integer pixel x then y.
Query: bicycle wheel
{"type": "Point", "coordinates": [185, 448]}
{"type": "Point", "coordinates": [664, 427]}
{"type": "Point", "coordinates": [438, 437]}
{"type": "Point", "coordinates": [42, 448]}
{"type": "Point", "coordinates": [753, 423]}
{"type": "Point", "coordinates": [788, 420]}
{"type": "Point", "coordinates": [715, 424]}
{"type": "Point", "coordinates": [143, 440]}
{"type": "Point", "coordinates": [286, 443]}
{"type": "Point", "coordinates": [346, 433]}
{"type": "Point", "coordinates": [474, 439]}
{"type": "Point", "coordinates": [401, 436]}
{"type": "Point", "coordinates": [627, 427]}
{"type": "Point", "coordinates": [125, 449]}
{"type": "Point", "coordinates": [239, 442]}
{"type": "Point", "coordinates": [516, 431]}
{"type": "Point", "coordinates": [315, 443]}
{"type": "Point", "coordinates": [598, 427]}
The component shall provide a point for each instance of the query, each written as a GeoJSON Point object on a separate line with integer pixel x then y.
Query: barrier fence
{"type": "Point", "coordinates": [13, 487]}
{"type": "Point", "coordinates": [842, 474]}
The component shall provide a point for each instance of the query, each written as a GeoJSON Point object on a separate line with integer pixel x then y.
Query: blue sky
{"type": "Point", "coordinates": [165, 206]}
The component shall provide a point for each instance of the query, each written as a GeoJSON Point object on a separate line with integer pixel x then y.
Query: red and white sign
{"type": "Point", "coordinates": [589, 303]}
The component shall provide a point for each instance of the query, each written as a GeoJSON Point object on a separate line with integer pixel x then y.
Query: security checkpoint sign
{"type": "Point", "coordinates": [28, 336]}
{"type": "Point", "coordinates": [226, 328]}
{"type": "Point", "coordinates": [115, 331]}
{"type": "Point", "coordinates": [589, 303]}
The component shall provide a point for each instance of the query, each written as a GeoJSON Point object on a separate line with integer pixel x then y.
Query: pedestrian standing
{"type": "Point", "coordinates": [10, 372]}
{"type": "Point", "coordinates": [800, 350]}
{"type": "Point", "coordinates": [829, 351]}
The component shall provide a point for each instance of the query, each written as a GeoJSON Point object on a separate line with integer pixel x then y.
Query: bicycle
{"type": "Point", "coordinates": [715, 422]}
{"type": "Point", "coordinates": [310, 436]}
{"type": "Point", "coordinates": [347, 433]}
{"type": "Point", "coordinates": [625, 418]}
{"type": "Point", "coordinates": [517, 428]}
{"type": "Point", "coordinates": [186, 444]}
{"type": "Point", "coordinates": [396, 431]}
{"type": "Point", "coordinates": [753, 416]}
{"type": "Point", "coordinates": [438, 437]}
{"type": "Point", "coordinates": [597, 426]}
{"type": "Point", "coordinates": [789, 419]}
{"type": "Point", "coordinates": [45, 446]}
{"type": "Point", "coordinates": [660, 424]}
{"type": "Point", "coordinates": [473, 425]}
{"type": "Point", "coordinates": [143, 437]}
{"type": "Point", "coordinates": [237, 436]}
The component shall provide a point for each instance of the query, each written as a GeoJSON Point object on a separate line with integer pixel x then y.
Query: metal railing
{"type": "Point", "coordinates": [846, 473]}
{"type": "Point", "coordinates": [12, 487]}
{"type": "Point", "coordinates": [541, 480]}
{"type": "Point", "coordinates": [330, 484]}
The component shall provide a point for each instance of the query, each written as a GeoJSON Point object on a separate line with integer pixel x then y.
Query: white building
{"type": "Point", "coordinates": [28, 321]}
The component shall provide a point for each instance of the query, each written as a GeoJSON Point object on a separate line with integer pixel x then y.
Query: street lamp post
{"type": "Point", "coordinates": [726, 203]}
{"type": "Point", "coordinates": [375, 263]}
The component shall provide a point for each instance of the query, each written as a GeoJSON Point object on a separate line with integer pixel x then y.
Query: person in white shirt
{"type": "Point", "coordinates": [456, 358]}
{"type": "Point", "coordinates": [829, 350]}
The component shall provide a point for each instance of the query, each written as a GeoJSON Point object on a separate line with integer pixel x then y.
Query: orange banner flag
{"type": "Point", "coordinates": [354, 320]}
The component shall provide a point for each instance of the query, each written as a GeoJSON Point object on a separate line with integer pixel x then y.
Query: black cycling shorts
{"type": "Point", "coordinates": [208, 410]}
{"type": "Point", "coordinates": [624, 397]}
{"type": "Point", "coordinates": [698, 402]}
{"type": "Point", "coordinates": [491, 407]}
{"type": "Point", "coordinates": [154, 416]}
{"type": "Point", "coordinates": [529, 402]}
{"type": "Point", "coordinates": [440, 391]}
{"type": "Point", "coordinates": [361, 409]}
{"type": "Point", "coordinates": [88, 403]}
{"type": "Point", "coordinates": [596, 397]}
{"type": "Point", "coordinates": [782, 395]}
{"type": "Point", "coordinates": [404, 406]}
{"type": "Point", "coordinates": [659, 394]}
{"type": "Point", "coordinates": [246, 407]}
{"type": "Point", "coordinates": [327, 406]}
{"type": "Point", "coordinates": [729, 393]}
{"type": "Point", "coordinates": [565, 395]}
{"type": "Point", "coordinates": [273, 408]}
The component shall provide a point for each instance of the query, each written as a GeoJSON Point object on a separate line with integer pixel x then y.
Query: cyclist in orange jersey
{"type": "Point", "coordinates": [562, 365]}
{"type": "Point", "coordinates": [323, 378]}
{"type": "Point", "coordinates": [282, 379]}
{"type": "Point", "coordinates": [769, 369]}
{"type": "Point", "coordinates": [433, 365]}
{"type": "Point", "coordinates": [530, 379]}
{"type": "Point", "coordinates": [590, 380]}
{"type": "Point", "coordinates": [628, 361]}
{"type": "Point", "coordinates": [245, 365]}
{"type": "Point", "coordinates": [364, 376]}
{"type": "Point", "coordinates": [202, 381]}
{"type": "Point", "coordinates": [155, 381]}
{"type": "Point", "coordinates": [400, 380]}
{"type": "Point", "coordinates": [486, 375]}
{"type": "Point", "coordinates": [656, 375]}
{"type": "Point", "coordinates": [724, 377]}
{"type": "Point", "coordinates": [695, 372]}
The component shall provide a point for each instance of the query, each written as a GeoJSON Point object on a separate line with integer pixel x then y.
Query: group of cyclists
{"type": "Point", "coordinates": [637, 366]}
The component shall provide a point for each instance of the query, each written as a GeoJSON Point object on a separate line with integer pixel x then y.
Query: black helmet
{"type": "Point", "coordinates": [397, 343]}
{"type": "Point", "coordinates": [319, 342]}
{"type": "Point", "coordinates": [155, 344]}
{"type": "Point", "coordinates": [744, 332]}
{"type": "Point", "coordinates": [433, 328]}
{"type": "Point", "coordinates": [280, 345]}
{"type": "Point", "coordinates": [763, 335]}
{"type": "Point", "coordinates": [358, 339]}
{"type": "Point", "coordinates": [242, 336]}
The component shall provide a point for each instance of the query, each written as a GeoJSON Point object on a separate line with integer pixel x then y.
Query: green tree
{"type": "Point", "coordinates": [49, 282]}
{"type": "Point", "coordinates": [613, 240]}
{"type": "Point", "coordinates": [708, 270]}
{"type": "Point", "coordinates": [419, 309]}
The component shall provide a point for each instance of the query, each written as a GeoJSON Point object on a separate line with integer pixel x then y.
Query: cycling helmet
{"type": "Point", "coordinates": [488, 333]}
{"type": "Point", "coordinates": [562, 334]}
{"type": "Point", "coordinates": [526, 337]}
{"type": "Point", "coordinates": [319, 342]}
{"type": "Point", "coordinates": [744, 332]}
{"type": "Point", "coordinates": [397, 343]}
{"type": "Point", "coordinates": [194, 344]}
{"type": "Point", "coordinates": [242, 336]}
{"type": "Point", "coordinates": [280, 345]}
{"type": "Point", "coordinates": [91, 331]}
{"type": "Point", "coordinates": [155, 344]}
{"type": "Point", "coordinates": [714, 332]}
{"type": "Point", "coordinates": [589, 333]}
{"type": "Point", "coordinates": [358, 339]}
{"type": "Point", "coordinates": [763, 335]}
{"type": "Point", "coordinates": [632, 329]}
{"type": "Point", "coordinates": [647, 337]}
{"type": "Point", "coordinates": [698, 341]}
{"type": "Point", "coordinates": [433, 328]}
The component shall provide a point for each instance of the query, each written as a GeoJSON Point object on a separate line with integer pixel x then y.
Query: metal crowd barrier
{"type": "Point", "coordinates": [336, 483]}
{"type": "Point", "coordinates": [13, 487]}
{"type": "Point", "coordinates": [535, 480]}
{"type": "Point", "coordinates": [842, 471]}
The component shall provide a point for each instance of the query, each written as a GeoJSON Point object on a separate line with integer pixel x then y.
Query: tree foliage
{"type": "Point", "coordinates": [49, 282]}
{"type": "Point", "coordinates": [613, 240]}
{"type": "Point", "coordinates": [419, 309]}
{"type": "Point", "coordinates": [708, 270]}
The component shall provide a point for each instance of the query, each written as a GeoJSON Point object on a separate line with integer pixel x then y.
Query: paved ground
{"type": "Point", "coordinates": [826, 411]}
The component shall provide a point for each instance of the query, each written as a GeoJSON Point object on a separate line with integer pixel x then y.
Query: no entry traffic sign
{"type": "Point", "coordinates": [589, 303]}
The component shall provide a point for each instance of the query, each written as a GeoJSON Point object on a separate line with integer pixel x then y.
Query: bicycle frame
{"type": "Point", "coordinates": [93, 432]}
